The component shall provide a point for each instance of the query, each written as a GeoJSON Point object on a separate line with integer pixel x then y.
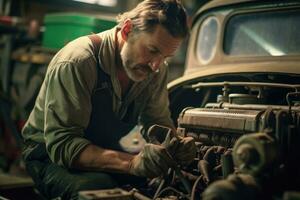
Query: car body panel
{"type": "Point", "coordinates": [223, 63]}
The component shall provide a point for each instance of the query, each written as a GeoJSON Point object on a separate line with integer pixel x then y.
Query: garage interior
{"type": "Point", "coordinates": [234, 86]}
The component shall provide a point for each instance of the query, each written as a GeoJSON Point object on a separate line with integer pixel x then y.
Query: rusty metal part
{"type": "Point", "coordinates": [235, 187]}
{"type": "Point", "coordinates": [254, 152]}
{"type": "Point", "coordinates": [205, 169]}
{"type": "Point", "coordinates": [213, 155]}
{"type": "Point", "coordinates": [210, 164]}
{"type": "Point", "coordinates": [227, 164]}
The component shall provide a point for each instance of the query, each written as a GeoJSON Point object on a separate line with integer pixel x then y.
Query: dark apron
{"type": "Point", "coordinates": [105, 129]}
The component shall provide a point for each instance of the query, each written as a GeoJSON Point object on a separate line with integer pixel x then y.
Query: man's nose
{"type": "Point", "coordinates": [155, 63]}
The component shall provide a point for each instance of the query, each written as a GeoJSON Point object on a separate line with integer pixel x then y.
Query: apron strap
{"type": "Point", "coordinates": [96, 41]}
{"type": "Point", "coordinates": [103, 79]}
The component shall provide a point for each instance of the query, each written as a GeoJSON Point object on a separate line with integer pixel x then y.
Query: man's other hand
{"type": "Point", "coordinates": [151, 162]}
{"type": "Point", "coordinates": [182, 149]}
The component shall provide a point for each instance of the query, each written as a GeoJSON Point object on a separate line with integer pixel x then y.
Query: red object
{"type": "Point", "coordinates": [7, 20]}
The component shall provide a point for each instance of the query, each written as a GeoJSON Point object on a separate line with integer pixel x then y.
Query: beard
{"type": "Point", "coordinates": [135, 71]}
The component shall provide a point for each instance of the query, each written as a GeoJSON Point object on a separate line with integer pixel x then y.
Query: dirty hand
{"type": "Point", "coordinates": [182, 149]}
{"type": "Point", "coordinates": [151, 162]}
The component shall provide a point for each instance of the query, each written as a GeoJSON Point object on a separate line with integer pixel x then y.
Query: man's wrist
{"type": "Point", "coordinates": [129, 165]}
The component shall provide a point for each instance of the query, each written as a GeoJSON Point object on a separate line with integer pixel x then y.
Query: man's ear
{"type": "Point", "coordinates": [126, 29]}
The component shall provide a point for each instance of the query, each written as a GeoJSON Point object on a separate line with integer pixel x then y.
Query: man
{"type": "Point", "coordinates": [94, 91]}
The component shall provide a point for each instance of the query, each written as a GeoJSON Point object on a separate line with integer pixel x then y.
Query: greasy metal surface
{"type": "Point", "coordinates": [256, 84]}
{"type": "Point", "coordinates": [226, 105]}
{"type": "Point", "coordinates": [219, 119]}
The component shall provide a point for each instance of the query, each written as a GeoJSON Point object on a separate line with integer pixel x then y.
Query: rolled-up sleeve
{"type": "Point", "coordinates": [67, 111]}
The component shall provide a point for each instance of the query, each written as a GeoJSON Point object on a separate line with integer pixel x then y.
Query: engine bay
{"type": "Point", "coordinates": [247, 134]}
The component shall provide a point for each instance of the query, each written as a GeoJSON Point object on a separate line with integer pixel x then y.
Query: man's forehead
{"type": "Point", "coordinates": [164, 41]}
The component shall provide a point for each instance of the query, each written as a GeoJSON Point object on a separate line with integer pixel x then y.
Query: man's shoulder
{"type": "Point", "coordinates": [76, 56]}
{"type": "Point", "coordinates": [77, 53]}
{"type": "Point", "coordinates": [81, 49]}
{"type": "Point", "coordinates": [77, 50]}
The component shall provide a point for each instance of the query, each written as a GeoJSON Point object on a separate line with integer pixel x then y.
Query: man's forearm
{"type": "Point", "coordinates": [95, 158]}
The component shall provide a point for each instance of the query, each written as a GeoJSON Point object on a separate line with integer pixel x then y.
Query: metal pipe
{"type": "Point", "coordinates": [250, 106]}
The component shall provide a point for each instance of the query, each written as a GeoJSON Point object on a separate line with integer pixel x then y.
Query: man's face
{"type": "Point", "coordinates": [143, 52]}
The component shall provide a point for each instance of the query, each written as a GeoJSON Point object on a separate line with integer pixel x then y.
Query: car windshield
{"type": "Point", "coordinates": [263, 34]}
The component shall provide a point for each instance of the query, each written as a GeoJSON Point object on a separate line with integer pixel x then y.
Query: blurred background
{"type": "Point", "coordinates": [31, 32]}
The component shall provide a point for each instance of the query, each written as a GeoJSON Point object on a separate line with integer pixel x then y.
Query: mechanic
{"type": "Point", "coordinates": [96, 89]}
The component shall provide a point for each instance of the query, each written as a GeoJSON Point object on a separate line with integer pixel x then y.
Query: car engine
{"type": "Point", "coordinates": [247, 147]}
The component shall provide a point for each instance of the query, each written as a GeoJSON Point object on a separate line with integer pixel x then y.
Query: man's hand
{"type": "Point", "coordinates": [182, 149]}
{"type": "Point", "coordinates": [151, 162]}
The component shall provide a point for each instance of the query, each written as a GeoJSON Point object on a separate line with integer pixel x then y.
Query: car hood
{"type": "Point", "coordinates": [291, 68]}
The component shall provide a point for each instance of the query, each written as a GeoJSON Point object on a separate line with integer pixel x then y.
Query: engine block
{"type": "Point", "coordinates": [260, 141]}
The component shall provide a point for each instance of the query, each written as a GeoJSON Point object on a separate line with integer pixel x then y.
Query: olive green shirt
{"type": "Point", "coordinates": [63, 106]}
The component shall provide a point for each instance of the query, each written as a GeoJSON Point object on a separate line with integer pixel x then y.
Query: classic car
{"type": "Point", "coordinates": [239, 98]}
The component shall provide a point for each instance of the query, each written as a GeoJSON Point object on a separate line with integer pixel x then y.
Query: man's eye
{"type": "Point", "coordinates": [153, 51]}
